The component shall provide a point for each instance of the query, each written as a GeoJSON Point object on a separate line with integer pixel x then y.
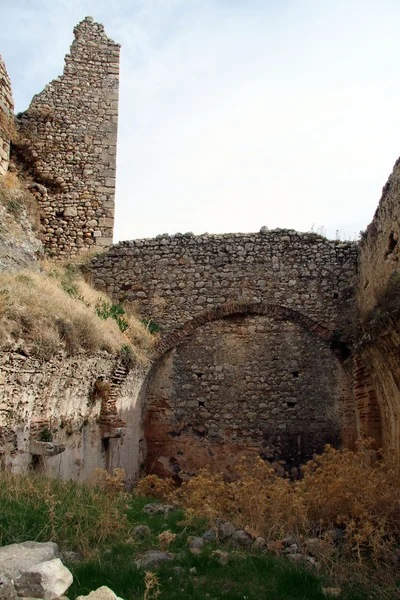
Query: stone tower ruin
{"type": "Point", "coordinates": [6, 117]}
{"type": "Point", "coordinates": [68, 141]}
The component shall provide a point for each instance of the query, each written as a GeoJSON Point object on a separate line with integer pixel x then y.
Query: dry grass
{"type": "Point", "coordinates": [45, 311]}
{"type": "Point", "coordinates": [7, 126]}
{"type": "Point", "coordinates": [17, 199]}
{"type": "Point", "coordinates": [339, 489]}
{"type": "Point", "coordinates": [82, 518]}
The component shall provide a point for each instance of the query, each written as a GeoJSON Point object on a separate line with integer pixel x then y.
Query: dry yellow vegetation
{"type": "Point", "coordinates": [55, 308]}
{"type": "Point", "coordinates": [339, 489]}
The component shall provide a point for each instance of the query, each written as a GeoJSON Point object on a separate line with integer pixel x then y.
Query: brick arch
{"type": "Point", "coordinates": [276, 311]}
{"type": "Point", "coordinates": [180, 419]}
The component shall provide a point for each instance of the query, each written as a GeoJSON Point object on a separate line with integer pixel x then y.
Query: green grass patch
{"type": "Point", "coordinates": [98, 521]}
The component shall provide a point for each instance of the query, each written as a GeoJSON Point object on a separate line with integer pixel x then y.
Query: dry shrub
{"type": "Point", "coordinates": [339, 489]}
{"type": "Point", "coordinates": [110, 483]}
{"type": "Point", "coordinates": [165, 539]}
{"type": "Point", "coordinates": [7, 126]}
{"type": "Point", "coordinates": [56, 309]}
{"type": "Point", "coordinates": [152, 486]}
{"type": "Point", "coordinates": [10, 181]}
{"type": "Point", "coordinates": [207, 495]}
{"type": "Point", "coordinates": [344, 489]}
{"type": "Point", "coordinates": [151, 585]}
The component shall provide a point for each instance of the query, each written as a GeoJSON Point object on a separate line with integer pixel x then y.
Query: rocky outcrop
{"type": "Point", "coordinates": [17, 558]}
{"type": "Point", "coordinates": [48, 580]}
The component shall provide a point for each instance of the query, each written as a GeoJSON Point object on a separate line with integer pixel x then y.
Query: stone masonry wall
{"type": "Point", "coordinates": [171, 279]}
{"type": "Point", "coordinates": [245, 360]}
{"type": "Point", "coordinates": [243, 385]}
{"type": "Point", "coordinates": [69, 141]}
{"type": "Point", "coordinates": [57, 399]}
{"type": "Point", "coordinates": [379, 311]}
{"type": "Point", "coordinates": [6, 117]}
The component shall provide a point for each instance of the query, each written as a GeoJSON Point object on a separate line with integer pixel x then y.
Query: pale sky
{"type": "Point", "coordinates": [234, 114]}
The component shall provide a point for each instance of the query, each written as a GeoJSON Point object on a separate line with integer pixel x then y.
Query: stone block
{"type": "Point", "coordinates": [47, 580]}
{"type": "Point", "coordinates": [70, 211]}
{"type": "Point", "coordinates": [45, 448]}
{"type": "Point", "coordinates": [17, 558]}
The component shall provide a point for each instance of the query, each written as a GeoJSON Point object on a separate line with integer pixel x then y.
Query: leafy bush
{"type": "Point", "coordinates": [106, 310]}
{"type": "Point", "coordinates": [151, 326]}
{"type": "Point", "coordinates": [126, 356]}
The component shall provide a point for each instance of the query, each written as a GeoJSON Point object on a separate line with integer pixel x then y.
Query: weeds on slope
{"type": "Point", "coordinates": [55, 308]}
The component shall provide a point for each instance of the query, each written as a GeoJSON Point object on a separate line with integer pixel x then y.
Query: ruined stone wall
{"type": "Point", "coordinates": [379, 314]}
{"type": "Point", "coordinates": [69, 141]}
{"type": "Point", "coordinates": [171, 279]}
{"type": "Point", "coordinates": [245, 358]}
{"type": "Point", "coordinates": [57, 399]}
{"type": "Point", "coordinates": [379, 247]}
{"type": "Point", "coordinates": [239, 386]}
{"type": "Point", "coordinates": [6, 117]}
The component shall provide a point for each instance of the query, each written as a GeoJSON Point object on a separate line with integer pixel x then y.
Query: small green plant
{"type": "Point", "coordinates": [106, 310]}
{"type": "Point", "coordinates": [69, 283]}
{"type": "Point", "coordinates": [151, 326]}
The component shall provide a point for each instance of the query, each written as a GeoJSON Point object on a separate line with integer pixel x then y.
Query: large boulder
{"type": "Point", "coordinates": [48, 580]}
{"type": "Point", "coordinates": [17, 558]}
{"type": "Point", "coordinates": [102, 593]}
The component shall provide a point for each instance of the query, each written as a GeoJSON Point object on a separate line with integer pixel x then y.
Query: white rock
{"type": "Point", "coordinates": [102, 593]}
{"type": "Point", "coordinates": [47, 580]}
{"type": "Point", "coordinates": [17, 558]}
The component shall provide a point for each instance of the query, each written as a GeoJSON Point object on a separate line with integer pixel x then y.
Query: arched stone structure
{"type": "Point", "coordinates": [245, 379]}
{"type": "Point", "coordinates": [275, 311]}
{"type": "Point", "coordinates": [260, 304]}
{"type": "Point", "coordinates": [173, 279]}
